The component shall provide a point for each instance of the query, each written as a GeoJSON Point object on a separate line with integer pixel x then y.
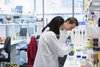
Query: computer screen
{"type": "Point", "coordinates": [1, 20]}
{"type": "Point", "coordinates": [19, 8]}
{"type": "Point", "coordinates": [23, 32]}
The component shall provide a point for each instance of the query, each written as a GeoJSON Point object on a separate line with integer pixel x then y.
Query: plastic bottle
{"type": "Point", "coordinates": [77, 62]}
{"type": "Point", "coordinates": [78, 53]}
{"type": "Point", "coordinates": [83, 61]}
{"type": "Point", "coordinates": [70, 59]}
{"type": "Point", "coordinates": [88, 63]}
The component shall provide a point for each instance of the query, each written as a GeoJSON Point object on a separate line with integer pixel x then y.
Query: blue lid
{"type": "Point", "coordinates": [78, 56]}
{"type": "Point", "coordinates": [79, 50]}
{"type": "Point", "coordinates": [83, 57]}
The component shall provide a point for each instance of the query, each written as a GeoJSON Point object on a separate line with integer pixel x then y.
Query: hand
{"type": "Point", "coordinates": [72, 45]}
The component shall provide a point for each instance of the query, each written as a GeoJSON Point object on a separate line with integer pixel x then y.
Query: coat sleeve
{"type": "Point", "coordinates": [55, 46]}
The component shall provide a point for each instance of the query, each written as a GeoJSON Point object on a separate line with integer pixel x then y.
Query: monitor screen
{"type": "Point", "coordinates": [23, 32]}
{"type": "Point", "coordinates": [1, 20]}
{"type": "Point", "coordinates": [19, 8]}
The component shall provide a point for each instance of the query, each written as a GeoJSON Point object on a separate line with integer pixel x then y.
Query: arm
{"type": "Point", "coordinates": [55, 45]}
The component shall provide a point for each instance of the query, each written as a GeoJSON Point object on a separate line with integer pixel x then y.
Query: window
{"type": "Point", "coordinates": [78, 6]}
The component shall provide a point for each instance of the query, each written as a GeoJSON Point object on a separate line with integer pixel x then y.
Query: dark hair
{"type": "Point", "coordinates": [54, 25]}
{"type": "Point", "coordinates": [72, 20]}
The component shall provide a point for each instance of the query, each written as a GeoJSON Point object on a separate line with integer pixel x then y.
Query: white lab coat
{"type": "Point", "coordinates": [63, 36]}
{"type": "Point", "coordinates": [49, 49]}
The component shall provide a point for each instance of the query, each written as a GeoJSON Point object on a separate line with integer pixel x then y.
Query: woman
{"type": "Point", "coordinates": [49, 47]}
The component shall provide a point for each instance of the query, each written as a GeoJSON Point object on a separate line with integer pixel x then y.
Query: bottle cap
{"type": "Point", "coordinates": [84, 57]}
{"type": "Point", "coordinates": [78, 56]}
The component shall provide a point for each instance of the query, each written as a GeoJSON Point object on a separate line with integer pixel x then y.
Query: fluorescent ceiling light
{"type": "Point", "coordinates": [96, 3]}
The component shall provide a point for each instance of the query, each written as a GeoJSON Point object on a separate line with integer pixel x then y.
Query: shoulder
{"type": "Point", "coordinates": [49, 33]}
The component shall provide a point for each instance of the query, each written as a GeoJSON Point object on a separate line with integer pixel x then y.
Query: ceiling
{"type": "Point", "coordinates": [95, 5]}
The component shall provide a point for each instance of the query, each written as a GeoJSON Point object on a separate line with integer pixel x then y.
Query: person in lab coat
{"type": "Point", "coordinates": [65, 33]}
{"type": "Point", "coordinates": [65, 37]}
{"type": "Point", "coordinates": [49, 46]}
